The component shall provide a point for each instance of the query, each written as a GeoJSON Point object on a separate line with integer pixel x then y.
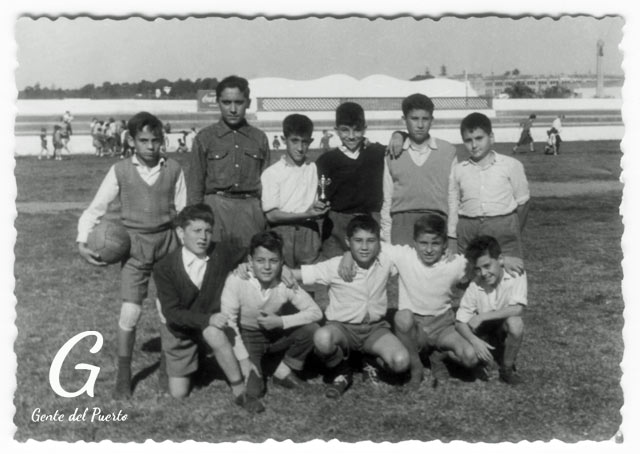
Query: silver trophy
{"type": "Point", "coordinates": [322, 184]}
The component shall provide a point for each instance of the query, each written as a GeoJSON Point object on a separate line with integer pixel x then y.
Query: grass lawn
{"type": "Point", "coordinates": [570, 356]}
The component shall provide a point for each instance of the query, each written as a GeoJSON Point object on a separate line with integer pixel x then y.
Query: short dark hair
{"type": "Point", "coordinates": [238, 82]}
{"type": "Point", "coordinates": [481, 245]}
{"type": "Point", "coordinates": [297, 124]}
{"type": "Point", "coordinates": [195, 212]}
{"type": "Point", "coordinates": [363, 222]}
{"type": "Point", "coordinates": [268, 239]}
{"type": "Point", "coordinates": [430, 223]}
{"type": "Point", "coordinates": [143, 120]}
{"type": "Point", "coordinates": [417, 101]}
{"type": "Point", "coordinates": [533, 116]}
{"type": "Point", "coordinates": [476, 120]}
{"type": "Point", "coordinates": [350, 114]}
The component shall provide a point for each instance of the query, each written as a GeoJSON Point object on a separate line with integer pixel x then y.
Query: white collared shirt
{"type": "Point", "coordinates": [494, 189]}
{"type": "Point", "coordinates": [349, 153]}
{"type": "Point", "coordinates": [360, 301]}
{"type": "Point", "coordinates": [194, 266]}
{"type": "Point", "coordinates": [109, 190]}
{"type": "Point", "coordinates": [289, 187]}
{"type": "Point", "coordinates": [479, 299]}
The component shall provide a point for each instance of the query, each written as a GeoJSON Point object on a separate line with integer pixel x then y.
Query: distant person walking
{"type": "Point", "coordinates": [324, 141]}
{"type": "Point", "coordinates": [57, 142]}
{"type": "Point", "coordinates": [65, 134]}
{"type": "Point", "coordinates": [44, 150]}
{"type": "Point", "coordinates": [525, 134]}
{"type": "Point", "coordinates": [67, 118]}
{"type": "Point", "coordinates": [276, 143]}
{"type": "Point", "coordinates": [557, 125]}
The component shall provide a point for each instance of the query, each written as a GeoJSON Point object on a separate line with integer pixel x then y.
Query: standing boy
{"type": "Point", "coordinates": [254, 309]}
{"type": "Point", "coordinates": [189, 282]}
{"type": "Point", "coordinates": [417, 182]}
{"type": "Point", "coordinates": [289, 195]}
{"type": "Point", "coordinates": [44, 149]}
{"type": "Point", "coordinates": [525, 135]}
{"type": "Point", "coordinates": [151, 191]}
{"type": "Point", "coordinates": [488, 193]}
{"type": "Point", "coordinates": [357, 309]}
{"type": "Point", "coordinates": [490, 313]}
{"type": "Point", "coordinates": [225, 165]}
{"type": "Point", "coordinates": [353, 172]}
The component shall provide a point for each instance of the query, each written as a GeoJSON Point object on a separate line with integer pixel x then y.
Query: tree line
{"type": "Point", "coordinates": [161, 88]}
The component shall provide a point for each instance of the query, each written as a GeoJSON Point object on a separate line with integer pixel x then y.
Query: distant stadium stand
{"type": "Point", "coordinates": [318, 104]}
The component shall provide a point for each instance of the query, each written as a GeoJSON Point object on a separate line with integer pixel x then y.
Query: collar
{"type": "Point", "coordinates": [287, 162]}
{"type": "Point", "coordinates": [430, 142]}
{"type": "Point", "coordinates": [222, 129]}
{"type": "Point", "coordinates": [136, 162]}
{"type": "Point", "coordinates": [189, 258]}
{"type": "Point", "coordinates": [345, 150]}
{"type": "Point", "coordinates": [505, 278]}
{"type": "Point", "coordinates": [258, 285]}
{"type": "Point", "coordinates": [496, 158]}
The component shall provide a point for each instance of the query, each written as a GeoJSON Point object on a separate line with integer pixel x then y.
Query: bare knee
{"type": "Point", "coordinates": [323, 340]}
{"type": "Point", "coordinates": [467, 356]}
{"type": "Point", "coordinates": [403, 320]}
{"type": "Point", "coordinates": [399, 361]}
{"type": "Point", "coordinates": [515, 326]}
{"type": "Point", "coordinates": [215, 337]}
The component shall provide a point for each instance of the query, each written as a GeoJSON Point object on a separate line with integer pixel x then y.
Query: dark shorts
{"type": "Point", "coordinates": [236, 219]}
{"type": "Point", "coordinates": [432, 329]}
{"type": "Point", "coordinates": [301, 243]}
{"type": "Point", "coordinates": [181, 354]}
{"type": "Point", "coordinates": [505, 229]}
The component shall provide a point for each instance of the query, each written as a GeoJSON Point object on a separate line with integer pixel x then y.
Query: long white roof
{"type": "Point", "coordinates": [341, 85]}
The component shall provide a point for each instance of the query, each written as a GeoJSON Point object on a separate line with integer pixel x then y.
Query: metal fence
{"type": "Point", "coordinates": [368, 104]}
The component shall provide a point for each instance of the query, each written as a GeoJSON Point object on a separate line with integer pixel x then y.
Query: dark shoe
{"type": "Point", "coordinates": [291, 381]}
{"type": "Point", "coordinates": [340, 384]}
{"type": "Point", "coordinates": [249, 403]}
{"type": "Point", "coordinates": [510, 376]}
{"type": "Point", "coordinates": [481, 372]}
{"type": "Point", "coordinates": [439, 371]}
{"type": "Point", "coordinates": [255, 385]}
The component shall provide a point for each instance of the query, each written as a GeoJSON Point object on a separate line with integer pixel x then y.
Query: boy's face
{"type": "Point", "coordinates": [196, 236]}
{"type": "Point", "coordinates": [265, 264]}
{"type": "Point", "coordinates": [147, 145]}
{"type": "Point", "coordinates": [297, 147]}
{"type": "Point", "coordinates": [351, 136]}
{"type": "Point", "coordinates": [233, 106]}
{"type": "Point", "coordinates": [364, 247]}
{"type": "Point", "coordinates": [478, 143]}
{"type": "Point", "coordinates": [430, 248]}
{"type": "Point", "coordinates": [418, 123]}
{"type": "Point", "coordinates": [489, 270]}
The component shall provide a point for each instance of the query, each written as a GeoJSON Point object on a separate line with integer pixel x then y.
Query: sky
{"type": "Point", "coordinates": [69, 53]}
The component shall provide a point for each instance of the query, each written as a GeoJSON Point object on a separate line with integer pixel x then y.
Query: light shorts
{"type": "Point", "coordinates": [434, 328]}
{"type": "Point", "coordinates": [360, 336]}
{"type": "Point", "coordinates": [146, 250]}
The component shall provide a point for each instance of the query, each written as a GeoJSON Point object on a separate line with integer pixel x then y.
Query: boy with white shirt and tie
{"type": "Point", "coordinates": [190, 282]}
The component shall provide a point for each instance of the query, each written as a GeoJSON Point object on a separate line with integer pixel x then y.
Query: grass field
{"type": "Point", "coordinates": [570, 356]}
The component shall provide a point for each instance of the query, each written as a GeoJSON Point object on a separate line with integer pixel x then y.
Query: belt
{"type": "Point", "coordinates": [482, 218]}
{"type": "Point", "coordinates": [237, 195]}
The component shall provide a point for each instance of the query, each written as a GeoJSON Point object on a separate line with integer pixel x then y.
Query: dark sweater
{"type": "Point", "coordinates": [356, 184]}
{"type": "Point", "coordinates": [186, 308]}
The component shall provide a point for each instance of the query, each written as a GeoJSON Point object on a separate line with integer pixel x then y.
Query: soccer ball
{"type": "Point", "coordinates": [110, 241]}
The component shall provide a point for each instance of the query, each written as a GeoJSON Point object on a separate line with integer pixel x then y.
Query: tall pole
{"type": "Point", "coordinates": [599, 70]}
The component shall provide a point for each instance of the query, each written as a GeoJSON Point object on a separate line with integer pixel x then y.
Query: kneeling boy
{"type": "Point", "coordinates": [256, 305]}
{"type": "Point", "coordinates": [492, 307]}
{"type": "Point", "coordinates": [189, 282]}
{"type": "Point", "coordinates": [356, 311]}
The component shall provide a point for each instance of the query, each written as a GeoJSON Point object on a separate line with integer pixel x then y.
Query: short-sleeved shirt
{"type": "Point", "coordinates": [226, 160]}
{"type": "Point", "coordinates": [289, 187]}
{"type": "Point", "coordinates": [479, 299]}
{"type": "Point", "coordinates": [360, 301]}
{"type": "Point", "coordinates": [425, 290]}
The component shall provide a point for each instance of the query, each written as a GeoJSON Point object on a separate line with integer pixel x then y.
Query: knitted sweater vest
{"type": "Point", "coordinates": [147, 208]}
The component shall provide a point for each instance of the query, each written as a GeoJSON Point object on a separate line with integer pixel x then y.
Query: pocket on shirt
{"type": "Point", "coordinates": [252, 165]}
{"type": "Point", "coordinates": [220, 167]}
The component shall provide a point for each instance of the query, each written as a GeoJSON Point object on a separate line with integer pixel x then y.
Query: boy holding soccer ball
{"type": "Point", "coordinates": [151, 190]}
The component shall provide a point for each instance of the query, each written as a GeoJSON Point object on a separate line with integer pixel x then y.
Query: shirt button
{"type": "Point", "coordinates": [236, 184]}
{"type": "Point", "coordinates": [237, 165]}
{"type": "Point", "coordinates": [236, 146]}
